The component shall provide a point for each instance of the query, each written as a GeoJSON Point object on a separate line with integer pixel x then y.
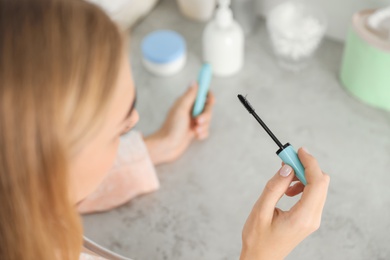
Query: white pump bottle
{"type": "Point", "coordinates": [223, 42]}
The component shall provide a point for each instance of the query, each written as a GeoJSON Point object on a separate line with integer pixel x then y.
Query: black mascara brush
{"type": "Point", "coordinates": [286, 152]}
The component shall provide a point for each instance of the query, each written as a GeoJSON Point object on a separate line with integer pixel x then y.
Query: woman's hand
{"type": "Point", "coordinates": [179, 129]}
{"type": "Point", "coordinates": [270, 233]}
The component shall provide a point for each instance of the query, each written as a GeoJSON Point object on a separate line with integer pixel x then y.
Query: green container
{"type": "Point", "coordinates": [365, 70]}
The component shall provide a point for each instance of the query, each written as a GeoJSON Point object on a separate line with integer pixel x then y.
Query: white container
{"type": "Point", "coordinates": [164, 52]}
{"type": "Point", "coordinates": [223, 42]}
{"type": "Point", "coordinates": [296, 31]}
{"type": "Point", "coordinates": [124, 12]}
{"type": "Point", "coordinates": [198, 10]}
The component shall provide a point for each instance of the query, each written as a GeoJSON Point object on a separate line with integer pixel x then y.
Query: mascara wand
{"type": "Point", "coordinates": [249, 107]}
{"type": "Point", "coordinates": [286, 152]}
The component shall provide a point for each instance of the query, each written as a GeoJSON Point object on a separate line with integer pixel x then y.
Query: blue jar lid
{"type": "Point", "coordinates": [163, 46]}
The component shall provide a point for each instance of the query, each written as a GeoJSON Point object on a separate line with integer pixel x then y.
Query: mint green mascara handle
{"type": "Point", "coordinates": [204, 80]}
{"type": "Point", "coordinates": [290, 157]}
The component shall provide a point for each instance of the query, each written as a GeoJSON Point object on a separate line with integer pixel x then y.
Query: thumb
{"type": "Point", "coordinates": [274, 190]}
{"type": "Point", "coordinates": [188, 98]}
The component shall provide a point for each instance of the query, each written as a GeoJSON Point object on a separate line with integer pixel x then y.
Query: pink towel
{"type": "Point", "coordinates": [133, 174]}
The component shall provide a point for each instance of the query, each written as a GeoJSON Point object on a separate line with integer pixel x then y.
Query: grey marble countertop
{"type": "Point", "coordinates": [206, 195]}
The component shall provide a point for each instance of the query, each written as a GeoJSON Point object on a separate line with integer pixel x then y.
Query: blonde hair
{"type": "Point", "coordinates": [59, 61]}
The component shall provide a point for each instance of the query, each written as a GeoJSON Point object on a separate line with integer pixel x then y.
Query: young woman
{"type": "Point", "coordinates": [66, 96]}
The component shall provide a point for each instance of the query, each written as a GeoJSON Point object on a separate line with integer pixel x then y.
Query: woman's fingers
{"type": "Point", "coordinates": [311, 165]}
{"type": "Point", "coordinates": [202, 136]}
{"type": "Point", "coordinates": [268, 226]}
{"type": "Point", "coordinates": [273, 191]}
{"type": "Point", "coordinates": [201, 131]}
{"type": "Point", "coordinates": [187, 100]}
{"type": "Point", "coordinates": [205, 117]}
{"type": "Point", "coordinates": [295, 177]}
{"type": "Point", "coordinates": [314, 194]}
{"type": "Point", "coordinates": [295, 189]}
{"type": "Point", "coordinates": [203, 121]}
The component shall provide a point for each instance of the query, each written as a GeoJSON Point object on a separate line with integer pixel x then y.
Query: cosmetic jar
{"type": "Point", "coordinates": [164, 52]}
{"type": "Point", "coordinates": [365, 69]}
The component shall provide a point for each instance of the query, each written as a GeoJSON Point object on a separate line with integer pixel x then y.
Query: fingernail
{"type": "Point", "coordinates": [305, 149]}
{"type": "Point", "coordinates": [200, 120]}
{"type": "Point", "coordinates": [285, 170]}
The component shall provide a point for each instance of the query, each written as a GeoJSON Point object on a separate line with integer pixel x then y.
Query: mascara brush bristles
{"type": "Point", "coordinates": [246, 104]}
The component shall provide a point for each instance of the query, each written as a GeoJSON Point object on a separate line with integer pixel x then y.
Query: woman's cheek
{"type": "Point", "coordinates": [114, 150]}
{"type": "Point", "coordinates": [107, 161]}
{"type": "Point", "coordinates": [111, 154]}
